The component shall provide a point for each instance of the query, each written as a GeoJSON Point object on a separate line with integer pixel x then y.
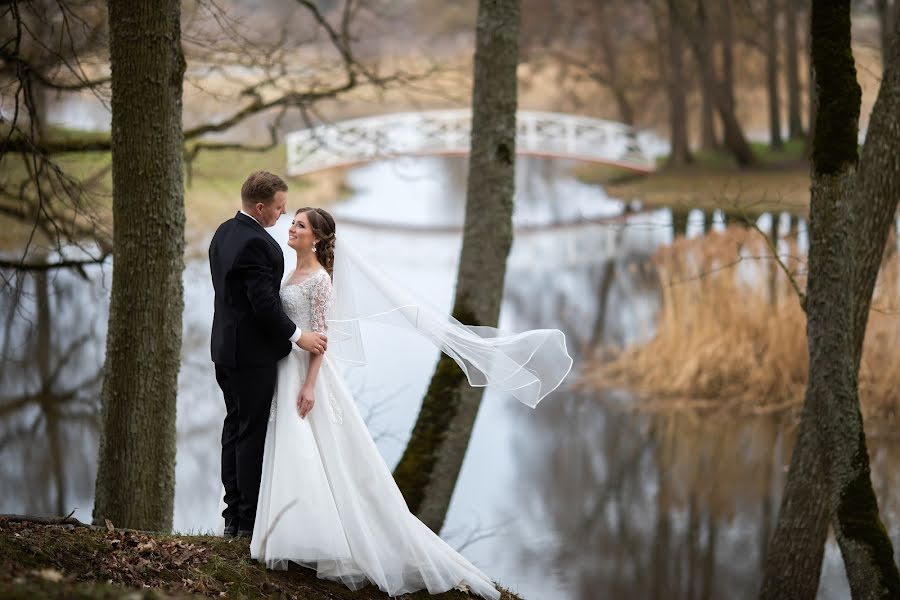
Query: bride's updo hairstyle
{"type": "Point", "coordinates": [322, 225]}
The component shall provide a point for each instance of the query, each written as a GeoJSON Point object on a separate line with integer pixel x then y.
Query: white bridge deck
{"type": "Point", "coordinates": [446, 132]}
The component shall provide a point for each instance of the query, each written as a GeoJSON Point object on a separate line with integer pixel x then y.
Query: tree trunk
{"type": "Point", "coordinates": [846, 211]}
{"type": "Point", "coordinates": [795, 119]}
{"type": "Point", "coordinates": [611, 56]}
{"type": "Point", "coordinates": [697, 30]}
{"type": "Point", "coordinates": [708, 139]}
{"type": "Point", "coordinates": [772, 76]}
{"type": "Point", "coordinates": [136, 471]}
{"type": "Point", "coordinates": [886, 10]}
{"type": "Point", "coordinates": [673, 71]}
{"type": "Point", "coordinates": [813, 94]}
{"type": "Point", "coordinates": [878, 188]}
{"type": "Point", "coordinates": [727, 38]}
{"type": "Point", "coordinates": [794, 557]}
{"type": "Point", "coordinates": [430, 465]}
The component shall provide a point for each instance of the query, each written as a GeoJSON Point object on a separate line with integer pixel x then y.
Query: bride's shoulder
{"type": "Point", "coordinates": [322, 277]}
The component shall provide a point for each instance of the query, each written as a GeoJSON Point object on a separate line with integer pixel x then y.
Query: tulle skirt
{"type": "Point", "coordinates": [328, 501]}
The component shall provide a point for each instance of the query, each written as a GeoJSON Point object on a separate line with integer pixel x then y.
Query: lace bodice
{"type": "Point", "coordinates": [306, 303]}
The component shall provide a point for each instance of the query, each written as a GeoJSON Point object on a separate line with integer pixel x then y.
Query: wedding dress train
{"type": "Point", "coordinates": [327, 499]}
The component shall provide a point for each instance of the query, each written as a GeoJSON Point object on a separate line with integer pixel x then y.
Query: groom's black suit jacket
{"type": "Point", "coordinates": [249, 328]}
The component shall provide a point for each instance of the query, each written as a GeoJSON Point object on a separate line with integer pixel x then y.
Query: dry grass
{"type": "Point", "coordinates": [731, 334]}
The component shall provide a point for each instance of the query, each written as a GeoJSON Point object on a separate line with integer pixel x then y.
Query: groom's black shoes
{"type": "Point", "coordinates": [245, 533]}
{"type": "Point", "coordinates": [231, 528]}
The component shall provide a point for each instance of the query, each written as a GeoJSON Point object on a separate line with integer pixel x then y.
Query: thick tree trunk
{"type": "Point", "coordinates": [865, 545]}
{"type": "Point", "coordinates": [843, 235]}
{"type": "Point", "coordinates": [792, 67]}
{"type": "Point", "coordinates": [878, 188]}
{"type": "Point", "coordinates": [772, 75]}
{"type": "Point", "coordinates": [136, 472]}
{"type": "Point", "coordinates": [794, 557]}
{"type": "Point", "coordinates": [430, 465]}
{"type": "Point", "coordinates": [673, 70]}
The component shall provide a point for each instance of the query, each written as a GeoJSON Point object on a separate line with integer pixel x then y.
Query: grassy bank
{"type": "Point", "coordinates": [53, 561]}
{"type": "Point", "coordinates": [212, 187]}
{"type": "Point", "coordinates": [731, 335]}
{"type": "Point", "coordinates": [780, 182]}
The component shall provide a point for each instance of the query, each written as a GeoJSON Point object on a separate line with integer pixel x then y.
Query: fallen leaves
{"type": "Point", "coordinates": [140, 560]}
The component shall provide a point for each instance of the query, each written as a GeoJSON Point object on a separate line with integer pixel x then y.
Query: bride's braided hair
{"type": "Point", "coordinates": [322, 225]}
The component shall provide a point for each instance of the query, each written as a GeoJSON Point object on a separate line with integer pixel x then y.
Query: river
{"type": "Point", "coordinates": [580, 498]}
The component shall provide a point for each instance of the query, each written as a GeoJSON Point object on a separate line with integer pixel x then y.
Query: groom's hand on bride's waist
{"type": "Point", "coordinates": [315, 343]}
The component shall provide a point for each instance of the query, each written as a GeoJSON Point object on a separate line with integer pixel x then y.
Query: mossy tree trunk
{"type": "Point", "coordinates": [850, 215]}
{"type": "Point", "coordinates": [136, 472]}
{"type": "Point", "coordinates": [430, 465]}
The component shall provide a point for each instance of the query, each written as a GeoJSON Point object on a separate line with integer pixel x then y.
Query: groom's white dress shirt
{"type": "Point", "coordinates": [296, 337]}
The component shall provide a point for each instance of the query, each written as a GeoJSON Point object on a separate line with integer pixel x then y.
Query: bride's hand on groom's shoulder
{"type": "Point", "coordinates": [315, 343]}
{"type": "Point", "coordinates": [305, 401]}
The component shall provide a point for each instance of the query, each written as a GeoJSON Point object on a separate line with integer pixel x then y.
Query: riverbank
{"type": "Point", "coordinates": [779, 183]}
{"type": "Point", "coordinates": [730, 336]}
{"type": "Point", "coordinates": [211, 191]}
{"type": "Point", "coordinates": [71, 561]}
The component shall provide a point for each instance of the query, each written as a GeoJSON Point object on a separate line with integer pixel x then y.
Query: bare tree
{"type": "Point", "coordinates": [853, 207]}
{"type": "Point", "coordinates": [693, 17]}
{"type": "Point", "coordinates": [62, 46]}
{"type": "Point", "coordinates": [429, 468]}
{"type": "Point", "coordinates": [590, 40]}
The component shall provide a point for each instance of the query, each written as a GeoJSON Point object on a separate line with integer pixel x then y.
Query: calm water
{"type": "Point", "coordinates": [577, 499]}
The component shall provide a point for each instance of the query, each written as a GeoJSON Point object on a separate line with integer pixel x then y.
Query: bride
{"type": "Point", "coordinates": [327, 500]}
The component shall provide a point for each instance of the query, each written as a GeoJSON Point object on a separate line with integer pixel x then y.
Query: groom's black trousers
{"type": "Point", "coordinates": [248, 397]}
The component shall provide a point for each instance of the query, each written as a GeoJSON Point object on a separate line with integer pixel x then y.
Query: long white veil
{"type": "Point", "coordinates": [528, 365]}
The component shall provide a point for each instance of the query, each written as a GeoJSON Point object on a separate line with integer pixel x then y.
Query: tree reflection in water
{"type": "Point", "coordinates": [50, 378]}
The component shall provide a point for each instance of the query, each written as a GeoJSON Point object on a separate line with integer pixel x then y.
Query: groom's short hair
{"type": "Point", "coordinates": [261, 186]}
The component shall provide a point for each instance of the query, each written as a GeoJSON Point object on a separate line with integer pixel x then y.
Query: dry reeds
{"type": "Point", "coordinates": [731, 333]}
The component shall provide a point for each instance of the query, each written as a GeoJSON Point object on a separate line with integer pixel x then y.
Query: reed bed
{"type": "Point", "coordinates": [731, 335]}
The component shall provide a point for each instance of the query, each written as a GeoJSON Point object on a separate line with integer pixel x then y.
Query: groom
{"type": "Point", "coordinates": [250, 334]}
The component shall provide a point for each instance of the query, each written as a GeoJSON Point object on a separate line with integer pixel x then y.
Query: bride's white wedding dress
{"type": "Point", "coordinates": [327, 499]}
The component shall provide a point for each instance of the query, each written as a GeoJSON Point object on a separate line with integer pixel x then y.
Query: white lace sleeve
{"type": "Point", "coordinates": [321, 302]}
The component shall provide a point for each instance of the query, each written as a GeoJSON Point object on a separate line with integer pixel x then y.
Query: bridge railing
{"type": "Point", "coordinates": [447, 132]}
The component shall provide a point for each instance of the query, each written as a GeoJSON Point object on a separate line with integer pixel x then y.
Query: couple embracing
{"type": "Point", "coordinates": [302, 476]}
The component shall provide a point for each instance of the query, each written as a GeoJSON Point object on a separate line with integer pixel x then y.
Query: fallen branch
{"type": "Point", "coordinates": [67, 520]}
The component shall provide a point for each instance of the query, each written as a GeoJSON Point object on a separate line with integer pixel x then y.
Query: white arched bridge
{"type": "Point", "coordinates": [446, 132]}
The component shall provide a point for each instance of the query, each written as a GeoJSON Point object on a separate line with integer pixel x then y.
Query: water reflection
{"type": "Point", "coordinates": [52, 350]}
{"type": "Point", "coordinates": [592, 500]}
